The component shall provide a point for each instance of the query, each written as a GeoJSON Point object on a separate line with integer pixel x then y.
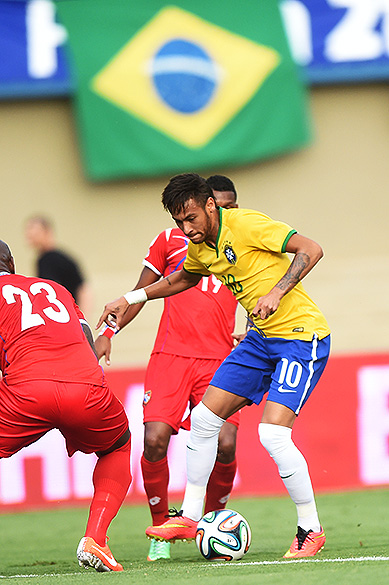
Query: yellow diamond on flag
{"type": "Point", "coordinates": [185, 76]}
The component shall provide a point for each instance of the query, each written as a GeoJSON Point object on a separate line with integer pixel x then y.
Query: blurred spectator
{"type": "Point", "coordinates": [54, 264]}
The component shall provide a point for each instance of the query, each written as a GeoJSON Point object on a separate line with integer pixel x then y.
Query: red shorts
{"type": "Point", "coordinates": [174, 382]}
{"type": "Point", "coordinates": [90, 417]}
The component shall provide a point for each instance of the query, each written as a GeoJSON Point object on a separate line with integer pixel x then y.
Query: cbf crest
{"type": "Point", "coordinates": [229, 253]}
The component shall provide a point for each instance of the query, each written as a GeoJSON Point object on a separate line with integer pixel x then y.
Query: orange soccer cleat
{"type": "Point", "coordinates": [91, 554]}
{"type": "Point", "coordinates": [306, 544]}
{"type": "Point", "coordinates": [178, 527]}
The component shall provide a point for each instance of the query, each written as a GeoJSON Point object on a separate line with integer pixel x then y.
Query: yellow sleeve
{"type": "Point", "coordinates": [260, 231]}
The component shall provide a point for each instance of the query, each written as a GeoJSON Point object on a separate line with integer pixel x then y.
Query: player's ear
{"type": "Point", "coordinates": [210, 204]}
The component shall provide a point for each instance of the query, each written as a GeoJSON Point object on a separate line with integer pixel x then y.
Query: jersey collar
{"type": "Point", "coordinates": [216, 247]}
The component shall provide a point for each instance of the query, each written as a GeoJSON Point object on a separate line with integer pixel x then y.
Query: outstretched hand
{"type": "Point", "coordinates": [113, 313]}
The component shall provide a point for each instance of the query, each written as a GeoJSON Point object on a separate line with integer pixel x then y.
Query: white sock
{"type": "Point", "coordinates": [293, 470]}
{"type": "Point", "coordinates": [201, 455]}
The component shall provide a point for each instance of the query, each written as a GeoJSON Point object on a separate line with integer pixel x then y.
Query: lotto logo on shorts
{"type": "Point", "coordinates": [146, 397]}
{"type": "Point", "coordinates": [179, 75]}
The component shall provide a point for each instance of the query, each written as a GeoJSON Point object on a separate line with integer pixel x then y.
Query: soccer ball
{"type": "Point", "coordinates": [223, 535]}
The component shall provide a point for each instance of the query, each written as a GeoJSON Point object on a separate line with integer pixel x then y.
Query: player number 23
{"type": "Point", "coordinates": [28, 318]}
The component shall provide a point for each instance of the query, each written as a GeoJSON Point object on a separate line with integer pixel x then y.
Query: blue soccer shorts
{"type": "Point", "coordinates": [288, 369]}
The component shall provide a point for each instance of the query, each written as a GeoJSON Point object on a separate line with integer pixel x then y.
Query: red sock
{"type": "Point", "coordinates": [219, 486]}
{"type": "Point", "coordinates": [156, 481]}
{"type": "Point", "coordinates": [111, 480]}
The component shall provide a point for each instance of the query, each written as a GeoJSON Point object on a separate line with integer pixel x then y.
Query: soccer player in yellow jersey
{"type": "Point", "coordinates": [282, 356]}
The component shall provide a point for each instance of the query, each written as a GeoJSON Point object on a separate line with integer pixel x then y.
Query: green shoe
{"type": "Point", "coordinates": [159, 549]}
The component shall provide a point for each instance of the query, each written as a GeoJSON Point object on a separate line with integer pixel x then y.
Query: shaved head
{"type": "Point", "coordinates": [6, 259]}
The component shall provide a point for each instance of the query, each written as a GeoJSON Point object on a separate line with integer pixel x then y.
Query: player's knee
{"type": "Point", "coordinates": [226, 453]}
{"type": "Point", "coordinates": [274, 438]}
{"type": "Point", "coordinates": [204, 422]}
{"type": "Point", "coordinates": [155, 444]}
{"type": "Point", "coordinates": [227, 444]}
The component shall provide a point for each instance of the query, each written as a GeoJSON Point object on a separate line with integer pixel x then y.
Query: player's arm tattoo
{"type": "Point", "coordinates": [293, 275]}
{"type": "Point", "coordinates": [168, 281]}
{"type": "Point", "coordinates": [89, 336]}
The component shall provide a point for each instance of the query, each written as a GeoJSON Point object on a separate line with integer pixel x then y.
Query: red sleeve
{"type": "Point", "coordinates": [156, 256]}
{"type": "Point", "coordinates": [80, 314]}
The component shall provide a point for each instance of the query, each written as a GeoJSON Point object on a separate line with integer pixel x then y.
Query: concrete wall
{"type": "Point", "coordinates": [334, 191]}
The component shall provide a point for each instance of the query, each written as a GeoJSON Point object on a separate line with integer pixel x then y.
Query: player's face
{"type": "Point", "coordinates": [199, 224]}
{"type": "Point", "coordinates": [225, 199]}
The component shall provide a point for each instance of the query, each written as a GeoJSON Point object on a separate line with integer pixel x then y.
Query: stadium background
{"type": "Point", "coordinates": [334, 191]}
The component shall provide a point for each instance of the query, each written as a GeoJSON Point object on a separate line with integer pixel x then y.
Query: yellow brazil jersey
{"type": "Point", "coordinates": [249, 258]}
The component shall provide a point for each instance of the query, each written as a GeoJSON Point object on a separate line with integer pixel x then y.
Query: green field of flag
{"type": "Point", "coordinates": [164, 88]}
{"type": "Point", "coordinates": [38, 548]}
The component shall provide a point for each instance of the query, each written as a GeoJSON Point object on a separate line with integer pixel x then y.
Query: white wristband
{"type": "Point", "coordinates": [136, 296]}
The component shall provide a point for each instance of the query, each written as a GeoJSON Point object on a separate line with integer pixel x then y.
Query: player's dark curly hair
{"type": "Point", "coordinates": [221, 183]}
{"type": "Point", "coordinates": [183, 187]}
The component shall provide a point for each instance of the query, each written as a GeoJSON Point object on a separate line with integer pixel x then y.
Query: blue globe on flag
{"type": "Point", "coordinates": [184, 76]}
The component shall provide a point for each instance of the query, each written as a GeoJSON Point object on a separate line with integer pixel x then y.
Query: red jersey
{"type": "Point", "coordinates": [41, 337]}
{"type": "Point", "coordinates": [198, 322]}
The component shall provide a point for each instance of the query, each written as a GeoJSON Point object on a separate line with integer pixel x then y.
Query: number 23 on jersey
{"type": "Point", "coordinates": [56, 311]}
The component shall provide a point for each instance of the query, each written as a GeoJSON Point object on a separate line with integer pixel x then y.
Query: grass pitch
{"type": "Point", "coordinates": [38, 548]}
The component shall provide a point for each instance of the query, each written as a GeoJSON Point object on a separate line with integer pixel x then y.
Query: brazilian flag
{"type": "Point", "coordinates": [166, 88]}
